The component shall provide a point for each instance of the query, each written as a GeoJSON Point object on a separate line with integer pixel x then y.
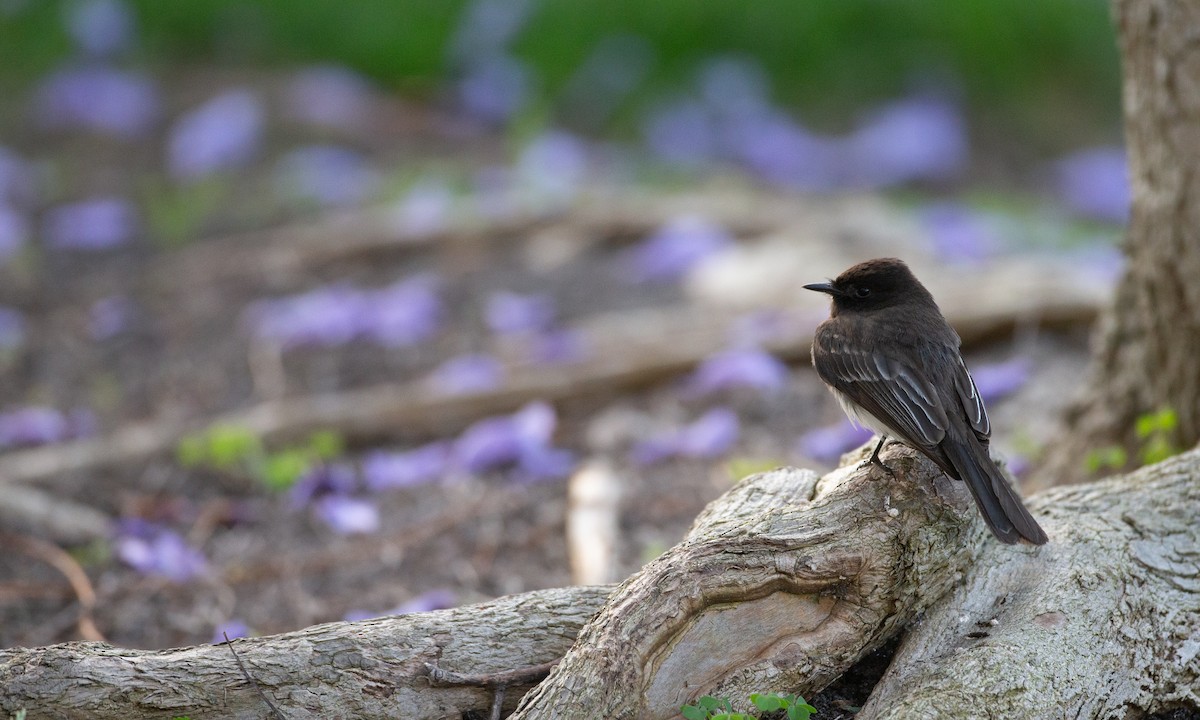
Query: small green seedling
{"type": "Point", "coordinates": [236, 449]}
{"type": "Point", "coordinates": [792, 707]}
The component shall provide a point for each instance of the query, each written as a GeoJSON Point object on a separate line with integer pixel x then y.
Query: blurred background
{"type": "Point", "coordinates": [325, 310]}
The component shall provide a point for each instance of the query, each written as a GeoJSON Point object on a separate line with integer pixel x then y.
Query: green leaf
{"type": "Point", "coordinates": [691, 712]}
{"type": "Point", "coordinates": [709, 703]}
{"type": "Point", "coordinates": [326, 444]}
{"type": "Point", "coordinates": [767, 703]}
{"type": "Point", "coordinates": [229, 445]}
{"type": "Point", "coordinates": [192, 451]}
{"type": "Point", "coordinates": [281, 470]}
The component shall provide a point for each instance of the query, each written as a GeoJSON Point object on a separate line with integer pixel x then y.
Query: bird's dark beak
{"type": "Point", "coordinates": [824, 287]}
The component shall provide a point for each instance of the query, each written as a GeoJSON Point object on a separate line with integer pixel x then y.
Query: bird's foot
{"type": "Point", "coordinates": [874, 459]}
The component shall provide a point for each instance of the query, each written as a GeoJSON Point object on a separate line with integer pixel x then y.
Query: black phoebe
{"type": "Point", "coordinates": [893, 364]}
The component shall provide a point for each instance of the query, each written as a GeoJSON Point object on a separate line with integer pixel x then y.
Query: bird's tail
{"type": "Point", "coordinates": [1006, 516]}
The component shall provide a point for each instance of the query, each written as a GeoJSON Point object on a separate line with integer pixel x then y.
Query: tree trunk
{"type": "Point", "coordinates": [783, 584]}
{"type": "Point", "coordinates": [1145, 357]}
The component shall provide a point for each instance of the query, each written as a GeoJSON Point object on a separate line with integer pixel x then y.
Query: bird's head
{"type": "Point", "coordinates": [871, 285]}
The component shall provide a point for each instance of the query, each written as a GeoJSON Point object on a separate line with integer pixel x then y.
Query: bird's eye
{"type": "Point", "coordinates": [862, 292]}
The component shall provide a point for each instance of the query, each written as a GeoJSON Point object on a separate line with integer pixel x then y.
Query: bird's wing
{"type": "Point", "coordinates": [972, 403]}
{"type": "Point", "coordinates": [895, 393]}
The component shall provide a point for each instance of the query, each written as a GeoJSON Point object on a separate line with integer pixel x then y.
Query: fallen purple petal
{"type": "Point", "coordinates": [230, 629]}
{"type": "Point", "coordinates": [712, 435]}
{"type": "Point", "coordinates": [914, 139]}
{"type": "Point", "coordinates": [683, 133]}
{"type": "Point", "coordinates": [425, 210]}
{"type": "Point", "coordinates": [439, 599]}
{"type": "Point", "coordinates": [100, 99]}
{"type": "Point", "coordinates": [558, 347]}
{"type": "Point", "coordinates": [347, 515]}
{"type": "Point", "coordinates": [322, 317]}
{"type": "Point", "coordinates": [327, 176]}
{"type": "Point", "coordinates": [488, 26]}
{"type": "Point", "coordinates": [779, 150]}
{"type": "Point", "coordinates": [495, 87]}
{"type": "Point", "coordinates": [674, 249]}
{"type": "Point", "coordinates": [18, 180]}
{"type": "Point", "coordinates": [538, 462]}
{"type": "Point", "coordinates": [552, 167]}
{"type": "Point", "coordinates": [521, 437]}
{"type": "Point", "coordinates": [12, 328]}
{"type": "Point", "coordinates": [467, 374]}
{"type": "Point", "coordinates": [320, 481]}
{"type": "Point", "coordinates": [101, 27]}
{"type": "Point", "coordinates": [960, 234]}
{"type": "Point", "coordinates": [407, 312]}
{"type": "Point", "coordinates": [97, 224]}
{"type": "Point", "coordinates": [14, 232]}
{"type": "Point", "coordinates": [153, 550]}
{"type": "Point", "coordinates": [224, 133]}
{"type": "Point", "coordinates": [110, 316]}
{"type": "Point", "coordinates": [388, 470]}
{"type": "Point", "coordinates": [1095, 184]}
{"type": "Point", "coordinates": [751, 368]}
{"type": "Point", "coordinates": [329, 96]}
{"type": "Point", "coordinates": [510, 313]}
{"type": "Point", "coordinates": [997, 380]}
{"type": "Point", "coordinates": [829, 443]}
{"type": "Point", "coordinates": [33, 425]}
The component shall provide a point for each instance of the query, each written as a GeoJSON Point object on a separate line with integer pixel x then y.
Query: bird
{"type": "Point", "coordinates": [893, 363]}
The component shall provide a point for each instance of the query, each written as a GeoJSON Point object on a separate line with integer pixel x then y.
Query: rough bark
{"type": "Point", "coordinates": [1155, 319]}
{"type": "Point", "coordinates": [783, 584]}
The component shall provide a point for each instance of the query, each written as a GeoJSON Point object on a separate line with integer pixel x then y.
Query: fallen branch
{"type": "Point", "coordinates": [627, 351]}
{"type": "Point", "coordinates": [784, 583]}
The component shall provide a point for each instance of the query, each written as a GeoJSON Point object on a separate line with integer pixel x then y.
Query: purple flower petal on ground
{"type": "Point", "coordinates": [321, 481]}
{"type": "Point", "coordinates": [467, 374]}
{"type": "Point", "coordinates": [325, 316]}
{"type": "Point", "coordinates": [404, 313]}
{"type": "Point", "coordinates": [224, 133]}
{"type": "Point", "coordinates": [553, 167]}
{"type": "Point", "coordinates": [779, 150]}
{"type": "Point", "coordinates": [997, 380]}
{"type": "Point", "coordinates": [100, 99]}
{"type": "Point", "coordinates": [386, 470]}
{"type": "Point", "coordinates": [734, 84]}
{"type": "Point", "coordinates": [828, 443]}
{"type": "Point", "coordinates": [1095, 184]}
{"type": "Point", "coordinates": [960, 234]}
{"type": "Point", "coordinates": [326, 175]}
{"type": "Point", "coordinates": [915, 139]}
{"type": "Point", "coordinates": [330, 96]}
{"type": "Point", "coordinates": [558, 346]}
{"type": "Point", "coordinates": [749, 367]}
{"type": "Point", "coordinates": [18, 180]}
{"type": "Point", "coordinates": [12, 328]}
{"type": "Point", "coordinates": [494, 442]}
{"type": "Point", "coordinates": [100, 27]}
{"type": "Point", "coordinates": [488, 26]}
{"type": "Point", "coordinates": [712, 434]}
{"type": "Point", "coordinates": [348, 515]}
{"type": "Point", "coordinates": [97, 224]}
{"type": "Point", "coordinates": [231, 629]}
{"type": "Point", "coordinates": [538, 462]}
{"type": "Point", "coordinates": [495, 87]}
{"type": "Point", "coordinates": [683, 133]}
{"type": "Point", "coordinates": [110, 316]}
{"type": "Point", "coordinates": [488, 444]}
{"type": "Point", "coordinates": [510, 313]}
{"type": "Point", "coordinates": [14, 232]}
{"type": "Point", "coordinates": [674, 249]}
{"type": "Point", "coordinates": [439, 599]}
{"type": "Point", "coordinates": [426, 209]}
{"type": "Point", "coordinates": [655, 450]}
{"type": "Point", "coordinates": [154, 550]}
{"type": "Point", "coordinates": [33, 425]}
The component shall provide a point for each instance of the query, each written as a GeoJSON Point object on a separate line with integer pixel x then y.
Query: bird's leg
{"type": "Point", "coordinates": [874, 459]}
